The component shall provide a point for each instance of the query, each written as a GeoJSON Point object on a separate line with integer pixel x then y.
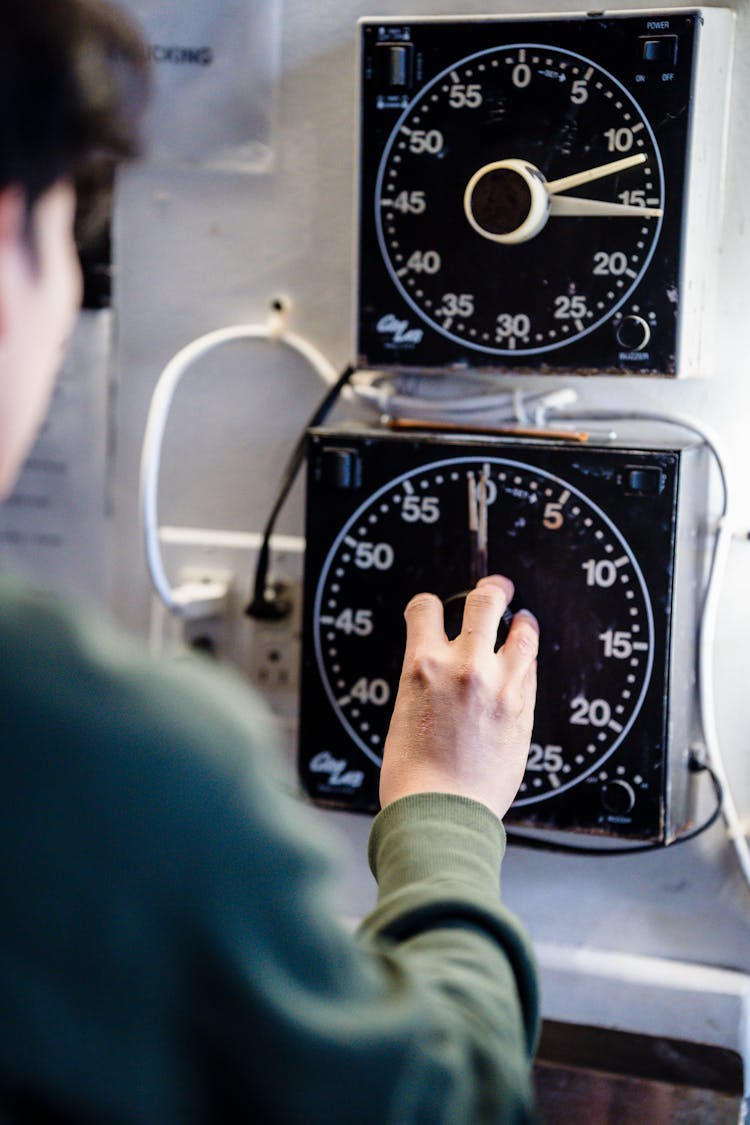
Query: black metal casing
{"type": "Point", "coordinates": [636, 313]}
{"type": "Point", "coordinates": [600, 542]}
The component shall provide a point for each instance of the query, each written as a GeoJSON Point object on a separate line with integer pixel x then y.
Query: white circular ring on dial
{"type": "Point", "coordinates": [439, 487]}
{"type": "Point", "coordinates": [538, 211]}
{"type": "Point", "coordinates": [511, 297]}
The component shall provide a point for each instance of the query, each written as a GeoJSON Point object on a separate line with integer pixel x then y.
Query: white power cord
{"type": "Point", "coordinates": [201, 600]}
{"type": "Point", "coordinates": [709, 613]}
{"type": "Point", "coordinates": [386, 395]}
{"type": "Point", "coordinates": [514, 408]}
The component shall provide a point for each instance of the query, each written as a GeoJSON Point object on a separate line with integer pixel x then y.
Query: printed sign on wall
{"type": "Point", "coordinates": [216, 68]}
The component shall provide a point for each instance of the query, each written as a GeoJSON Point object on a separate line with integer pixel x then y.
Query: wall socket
{"type": "Point", "coordinates": [267, 652]}
{"type": "Point", "coordinates": [273, 652]}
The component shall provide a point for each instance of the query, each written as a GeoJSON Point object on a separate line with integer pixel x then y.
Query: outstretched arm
{"type": "Point", "coordinates": [231, 987]}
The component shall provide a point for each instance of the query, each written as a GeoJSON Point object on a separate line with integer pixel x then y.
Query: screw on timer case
{"type": "Point", "coordinates": [540, 194]}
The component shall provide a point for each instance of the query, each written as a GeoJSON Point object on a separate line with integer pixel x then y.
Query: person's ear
{"type": "Point", "coordinates": [12, 215]}
{"type": "Point", "coordinates": [13, 234]}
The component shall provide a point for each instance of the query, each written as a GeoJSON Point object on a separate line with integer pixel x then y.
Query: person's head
{"type": "Point", "coordinates": [73, 87]}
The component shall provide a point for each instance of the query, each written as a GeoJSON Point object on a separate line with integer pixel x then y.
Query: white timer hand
{"type": "Point", "coordinates": [578, 178]}
{"type": "Point", "coordinates": [573, 206]}
{"type": "Point", "coordinates": [488, 187]}
{"type": "Point", "coordinates": [478, 525]}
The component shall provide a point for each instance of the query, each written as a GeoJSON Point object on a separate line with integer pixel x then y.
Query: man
{"type": "Point", "coordinates": [169, 949]}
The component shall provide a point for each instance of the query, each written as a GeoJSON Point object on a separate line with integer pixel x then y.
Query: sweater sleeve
{"type": "Point", "coordinates": [436, 858]}
{"type": "Point", "coordinates": [427, 1017]}
{"type": "Point", "coordinates": [171, 947]}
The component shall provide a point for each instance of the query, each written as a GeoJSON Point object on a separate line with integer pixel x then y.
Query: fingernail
{"type": "Point", "coordinates": [528, 614]}
{"type": "Point", "coordinates": [499, 580]}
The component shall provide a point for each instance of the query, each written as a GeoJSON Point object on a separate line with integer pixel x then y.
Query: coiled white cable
{"type": "Point", "coordinates": [512, 407]}
{"type": "Point", "coordinates": [708, 616]}
{"type": "Point", "coordinates": [516, 408]}
{"type": "Point", "coordinates": [189, 602]}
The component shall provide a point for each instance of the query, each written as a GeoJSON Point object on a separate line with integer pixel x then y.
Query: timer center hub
{"type": "Point", "coordinates": [507, 201]}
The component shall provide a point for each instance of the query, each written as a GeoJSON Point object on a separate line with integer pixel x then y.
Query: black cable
{"type": "Point", "coordinates": [264, 603]}
{"type": "Point", "coordinates": [695, 766]}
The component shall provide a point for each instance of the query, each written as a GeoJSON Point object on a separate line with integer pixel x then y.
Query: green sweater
{"type": "Point", "coordinates": [169, 944]}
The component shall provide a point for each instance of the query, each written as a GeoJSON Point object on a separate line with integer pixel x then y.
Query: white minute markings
{"type": "Point", "coordinates": [424, 283]}
{"type": "Point", "coordinates": [364, 716]}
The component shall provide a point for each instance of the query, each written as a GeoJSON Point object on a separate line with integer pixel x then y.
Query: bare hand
{"type": "Point", "coordinates": [463, 715]}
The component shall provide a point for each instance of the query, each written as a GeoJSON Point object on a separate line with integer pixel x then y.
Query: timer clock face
{"type": "Point", "coordinates": [585, 269]}
{"type": "Point", "coordinates": [586, 538]}
{"type": "Point", "coordinates": [522, 192]}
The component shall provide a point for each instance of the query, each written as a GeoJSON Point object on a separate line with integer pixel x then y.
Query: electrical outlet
{"type": "Point", "coordinates": [273, 652]}
{"type": "Point", "coordinates": [267, 652]}
{"type": "Point", "coordinates": [213, 634]}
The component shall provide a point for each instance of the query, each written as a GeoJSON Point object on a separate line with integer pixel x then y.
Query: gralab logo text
{"type": "Point", "coordinates": [402, 336]}
{"type": "Point", "coordinates": [338, 772]}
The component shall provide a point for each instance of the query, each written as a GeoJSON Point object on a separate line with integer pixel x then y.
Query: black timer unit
{"type": "Point", "coordinates": [541, 194]}
{"type": "Point", "coordinates": [601, 543]}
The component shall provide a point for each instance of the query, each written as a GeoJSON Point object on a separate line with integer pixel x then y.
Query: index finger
{"type": "Point", "coordinates": [425, 624]}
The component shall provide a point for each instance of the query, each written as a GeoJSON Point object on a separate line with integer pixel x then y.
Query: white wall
{"type": "Point", "coordinates": [199, 250]}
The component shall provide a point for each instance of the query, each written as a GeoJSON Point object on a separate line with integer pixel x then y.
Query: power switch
{"type": "Point", "coordinates": [660, 49]}
{"type": "Point", "coordinates": [395, 65]}
{"type": "Point", "coordinates": [339, 468]}
{"type": "Point", "coordinates": [644, 480]}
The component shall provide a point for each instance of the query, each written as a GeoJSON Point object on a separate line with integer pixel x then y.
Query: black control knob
{"type": "Point", "coordinates": [618, 797]}
{"type": "Point", "coordinates": [633, 333]}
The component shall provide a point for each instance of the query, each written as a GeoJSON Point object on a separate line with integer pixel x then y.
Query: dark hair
{"type": "Point", "coordinates": [73, 88]}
